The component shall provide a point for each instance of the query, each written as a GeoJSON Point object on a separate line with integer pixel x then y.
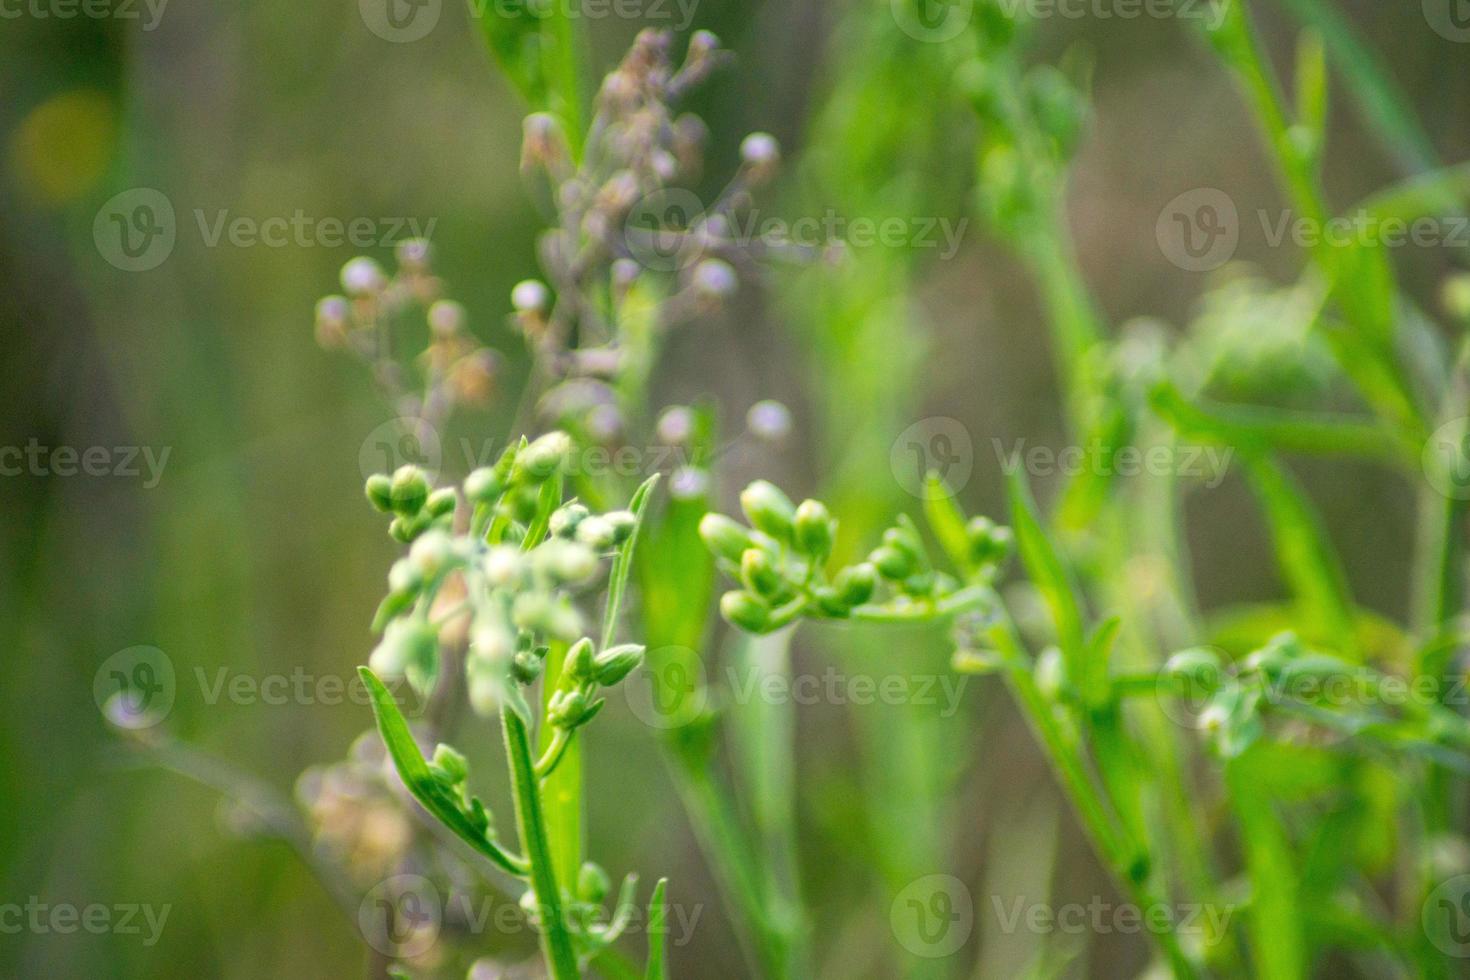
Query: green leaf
{"type": "Point", "coordinates": [1049, 575]}
{"type": "Point", "coordinates": [430, 792]}
{"type": "Point", "coordinates": [658, 930]}
{"type": "Point", "coordinates": [947, 522]}
{"type": "Point", "coordinates": [617, 583]}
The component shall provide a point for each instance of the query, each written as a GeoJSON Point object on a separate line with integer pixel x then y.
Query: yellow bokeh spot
{"type": "Point", "coordinates": [63, 147]}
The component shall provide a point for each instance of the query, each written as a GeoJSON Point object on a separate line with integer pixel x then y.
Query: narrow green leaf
{"type": "Point", "coordinates": [623, 565]}
{"type": "Point", "coordinates": [658, 929]}
{"type": "Point", "coordinates": [947, 522]}
{"type": "Point", "coordinates": [414, 771]}
{"type": "Point", "coordinates": [1050, 577]}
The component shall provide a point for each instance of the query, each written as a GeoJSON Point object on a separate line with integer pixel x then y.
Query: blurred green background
{"type": "Point", "coordinates": [255, 552]}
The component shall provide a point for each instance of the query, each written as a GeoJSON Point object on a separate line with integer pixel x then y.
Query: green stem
{"type": "Point", "coordinates": [559, 770]}
{"type": "Point", "coordinates": [556, 940]}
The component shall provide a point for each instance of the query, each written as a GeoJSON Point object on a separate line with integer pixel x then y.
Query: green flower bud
{"type": "Point", "coordinates": [622, 523]}
{"type": "Point", "coordinates": [745, 611]}
{"type": "Point", "coordinates": [566, 561]}
{"type": "Point", "coordinates": [593, 884]}
{"type": "Point", "coordinates": [379, 492]}
{"type": "Point", "coordinates": [542, 458]}
{"type": "Point", "coordinates": [855, 584]}
{"type": "Point", "coordinates": [1197, 665]}
{"type": "Point", "coordinates": [525, 667]}
{"type": "Point", "coordinates": [567, 709]}
{"type": "Point", "coordinates": [409, 490]}
{"type": "Point", "coordinates": [829, 600]}
{"type": "Point", "coordinates": [725, 538]}
{"type": "Point", "coordinates": [615, 663]}
{"type": "Point", "coordinates": [432, 553]}
{"type": "Point", "coordinates": [564, 520]}
{"type": "Point", "coordinates": [578, 662]}
{"type": "Point", "coordinates": [442, 501]}
{"type": "Point", "coordinates": [989, 543]}
{"type": "Point", "coordinates": [768, 509]}
{"type": "Point", "coordinates": [406, 644]}
{"type": "Point", "coordinates": [502, 565]}
{"type": "Point", "coordinates": [451, 762]}
{"type": "Point", "coordinates": [759, 574]}
{"type": "Point", "coordinates": [814, 529]}
{"type": "Point", "coordinates": [404, 576]}
{"type": "Point", "coordinates": [596, 532]}
{"type": "Point", "coordinates": [483, 486]}
{"type": "Point", "coordinates": [892, 563]}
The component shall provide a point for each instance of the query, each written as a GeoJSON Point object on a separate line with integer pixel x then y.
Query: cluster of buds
{"type": "Point", "coordinates": [630, 250]}
{"type": "Point", "coordinates": [365, 320]}
{"type": "Point", "coordinates": [517, 567]}
{"type": "Point", "coordinates": [781, 559]}
{"type": "Point", "coordinates": [354, 817]}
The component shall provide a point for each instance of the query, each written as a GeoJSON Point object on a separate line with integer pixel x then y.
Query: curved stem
{"type": "Point", "coordinates": [556, 940]}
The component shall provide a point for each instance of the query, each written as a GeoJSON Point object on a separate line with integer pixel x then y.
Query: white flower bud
{"type": "Point", "coordinates": [769, 420]}
{"type": "Point", "coordinates": [446, 318]}
{"type": "Point", "coordinates": [502, 565]}
{"type": "Point", "coordinates": [530, 296]}
{"type": "Point", "coordinates": [362, 277]}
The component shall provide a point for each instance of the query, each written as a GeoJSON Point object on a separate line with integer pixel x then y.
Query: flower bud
{"type": "Point", "coordinates": [362, 277]}
{"type": "Point", "coordinates": [407, 643]}
{"type": "Point", "coordinates": [724, 537]}
{"type": "Point", "coordinates": [409, 490]}
{"type": "Point", "coordinates": [453, 764]}
{"type": "Point", "coordinates": [759, 574]}
{"type": "Point", "coordinates": [622, 523]}
{"type": "Point", "coordinates": [483, 486]}
{"type": "Point", "coordinates": [814, 529]}
{"type": "Point", "coordinates": [446, 318]}
{"type": "Point", "coordinates": [745, 611]}
{"type": "Point", "coordinates": [502, 565]}
{"type": "Point", "coordinates": [542, 458]}
{"type": "Point", "coordinates": [855, 584]}
{"type": "Point", "coordinates": [596, 532]}
{"type": "Point", "coordinates": [566, 561]}
{"type": "Point", "coordinates": [989, 543]}
{"type": "Point", "coordinates": [715, 279]}
{"type": "Point", "coordinates": [1196, 665]}
{"type": "Point", "coordinates": [441, 502]}
{"type": "Point", "coordinates": [564, 520]}
{"type": "Point", "coordinates": [592, 884]}
{"type": "Point", "coordinates": [761, 155]}
{"type": "Point", "coordinates": [530, 296]}
{"type": "Point", "coordinates": [768, 509]}
{"type": "Point", "coordinates": [525, 667]}
{"type": "Point", "coordinates": [413, 254]}
{"type": "Point", "coordinates": [432, 553]}
{"type": "Point", "coordinates": [615, 663]}
{"type": "Point", "coordinates": [578, 662]}
{"type": "Point", "coordinates": [566, 709]}
{"type": "Point", "coordinates": [331, 321]}
{"type": "Point", "coordinates": [404, 576]}
{"type": "Point", "coordinates": [379, 492]}
{"type": "Point", "coordinates": [892, 563]}
{"type": "Point", "coordinates": [769, 420]}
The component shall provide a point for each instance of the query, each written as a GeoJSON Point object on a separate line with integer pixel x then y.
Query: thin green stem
{"type": "Point", "coordinates": [556, 940]}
